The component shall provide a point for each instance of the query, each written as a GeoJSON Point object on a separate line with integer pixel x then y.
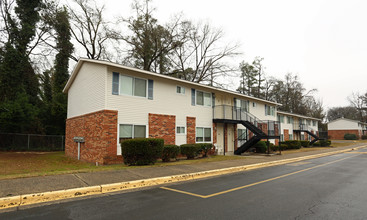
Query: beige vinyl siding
{"type": "Point", "coordinates": [166, 101]}
{"type": "Point", "coordinates": [342, 124]}
{"type": "Point", "coordinates": [87, 93]}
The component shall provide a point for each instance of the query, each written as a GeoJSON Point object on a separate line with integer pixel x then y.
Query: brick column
{"type": "Point", "coordinates": [99, 130]}
{"type": "Point", "coordinates": [163, 126]}
{"type": "Point", "coordinates": [190, 130]}
{"type": "Point", "coordinates": [286, 134]}
{"type": "Point", "coordinates": [214, 133]}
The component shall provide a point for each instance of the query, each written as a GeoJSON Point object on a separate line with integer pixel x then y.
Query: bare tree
{"type": "Point", "coordinates": [150, 43]}
{"type": "Point", "coordinates": [90, 29]}
{"type": "Point", "coordinates": [6, 8]}
{"type": "Point", "coordinates": [200, 57]}
{"type": "Point", "coordinates": [357, 101]}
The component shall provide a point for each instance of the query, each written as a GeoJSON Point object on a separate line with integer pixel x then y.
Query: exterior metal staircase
{"type": "Point", "coordinates": [304, 128]}
{"type": "Point", "coordinates": [260, 129]}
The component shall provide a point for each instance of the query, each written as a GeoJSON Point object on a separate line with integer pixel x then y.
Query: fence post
{"type": "Point", "coordinates": [28, 140]}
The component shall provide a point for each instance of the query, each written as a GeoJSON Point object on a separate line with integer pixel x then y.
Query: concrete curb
{"type": "Point", "coordinates": [22, 200]}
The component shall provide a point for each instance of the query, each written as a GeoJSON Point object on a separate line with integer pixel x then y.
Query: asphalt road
{"type": "Point", "coordinates": [333, 187]}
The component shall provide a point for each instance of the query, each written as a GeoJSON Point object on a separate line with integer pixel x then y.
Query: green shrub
{"type": "Point", "coordinates": [325, 143]}
{"type": "Point", "coordinates": [261, 147]}
{"type": "Point", "coordinates": [276, 147]}
{"type": "Point", "coordinates": [190, 150]}
{"type": "Point", "coordinates": [350, 137]}
{"type": "Point", "coordinates": [170, 151]}
{"type": "Point", "coordinates": [305, 143]}
{"type": "Point", "coordinates": [364, 137]}
{"type": "Point", "coordinates": [293, 144]}
{"type": "Point", "coordinates": [316, 144]}
{"type": "Point", "coordinates": [205, 148]}
{"type": "Point", "coordinates": [141, 151]}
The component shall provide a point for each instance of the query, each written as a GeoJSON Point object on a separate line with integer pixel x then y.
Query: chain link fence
{"type": "Point", "coordinates": [31, 142]}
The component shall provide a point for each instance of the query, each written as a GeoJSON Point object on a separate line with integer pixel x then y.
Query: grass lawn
{"type": "Point", "coordinates": [26, 164]}
{"type": "Point", "coordinates": [334, 144]}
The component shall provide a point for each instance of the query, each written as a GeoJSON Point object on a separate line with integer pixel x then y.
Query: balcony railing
{"type": "Point", "coordinates": [227, 112]}
{"type": "Point", "coordinates": [302, 127]}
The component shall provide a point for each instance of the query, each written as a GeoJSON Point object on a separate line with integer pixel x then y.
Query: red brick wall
{"type": "Point", "coordinates": [99, 130]}
{"type": "Point", "coordinates": [214, 133]}
{"type": "Point", "coordinates": [190, 130]}
{"type": "Point", "coordinates": [306, 136]}
{"type": "Point", "coordinates": [163, 126]}
{"type": "Point", "coordinates": [286, 134]}
{"type": "Point", "coordinates": [339, 134]}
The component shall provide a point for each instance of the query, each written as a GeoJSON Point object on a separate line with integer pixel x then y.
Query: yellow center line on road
{"type": "Point", "coordinates": [356, 152]}
{"type": "Point", "coordinates": [253, 184]}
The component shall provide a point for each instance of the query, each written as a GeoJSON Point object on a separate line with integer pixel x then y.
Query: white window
{"type": "Point", "coordinates": [308, 122]}
{"type": "Point", "coordinates": [180, 130]}
{"type": "Point", "coordinates": [282, 137]}
{"type": "Point", "coordinates": [243, 104]}
{"type": "Point", "coordinates": [242, 134]}
{"type": "Point", "coordinates": [203, 98]}
{"type": "Point", "coordinates": [133, 86]}
{"type": "Point", "coordinates": [313, 123]}
{"type": "Point", "coordinates": [203, 134]}
{"type": "Point", "coordinates": [281, 118]}
{"type": "Point", "coordinates": [132, 131]}
{"type": "Point", "coordinates": [290, 136]}
{"type": "Point", "coordinates": [254, 104]}
{"type": "Point", "coordinates": [269, 110]}
{"type": "Point", "coordinates": [289, 120]}
{"type": "Point", "coordinates": [180, 90]}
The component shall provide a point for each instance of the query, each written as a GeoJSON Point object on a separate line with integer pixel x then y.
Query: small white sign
{"type": "Point", "coordinates": [79, 139]}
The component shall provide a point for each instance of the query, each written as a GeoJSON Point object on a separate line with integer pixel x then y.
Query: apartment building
{"type": "Point", "coordinates": [109, 102]}
{"type": "Point", "coordinates": [298, 127]}
{"type": "Point", "coordinates": [341, 126]}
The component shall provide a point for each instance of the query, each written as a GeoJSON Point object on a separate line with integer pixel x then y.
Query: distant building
{"type": "Point", "coordinates": [341, 126]}
{"type": "Point", "coordinates": [298, 127]}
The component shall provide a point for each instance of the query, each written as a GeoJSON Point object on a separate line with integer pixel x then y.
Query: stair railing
{"type": "Point", "coordinates": [239, 114]}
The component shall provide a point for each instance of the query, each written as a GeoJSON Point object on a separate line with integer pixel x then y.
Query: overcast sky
{"type": "Point", "coordinates": [323, 41]}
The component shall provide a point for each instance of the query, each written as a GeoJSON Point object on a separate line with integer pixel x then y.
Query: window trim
{"type": "Point", "coordinates": [133, 86]}
{"type": "Point", "coordinates": [177, 126]}
{"type": "Point", "coordinates": [211, 135]}
{"type": "Point", "coordinates": [211, 98]}
{"type": "Point", "coordinates": [290, 136]}
{"type": "Point", "coordinates": [132, 132]}
{"type": "Point", "coordinates": [181, 87]}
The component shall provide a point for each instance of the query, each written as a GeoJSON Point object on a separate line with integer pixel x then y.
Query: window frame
{"type": "Point", "coordinates": [196, 99]}
{"type": "Point", "coordinates": [269, 110]}
{"type": "Point", "coordinates": [181, 89]}
{"type": "Point", "coordinates": [290, 137]}
{"type": "Point", "coordinates": [132, 131]}
{"type": "Point", "coordinates": [121, 76]}
{"type": "Point", "coordinates": [211, 135]}
{"type": "Point", "coordinates": [184, 127]}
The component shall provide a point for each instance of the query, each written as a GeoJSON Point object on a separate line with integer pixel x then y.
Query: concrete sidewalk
{"type": "Point", "coordinates": [21, 186]}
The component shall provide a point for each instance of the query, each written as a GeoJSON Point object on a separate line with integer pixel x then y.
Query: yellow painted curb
{"type": "Point", "coordinates": [8, 202]}
{"type": "Point", "coordinates": [60, 194]}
